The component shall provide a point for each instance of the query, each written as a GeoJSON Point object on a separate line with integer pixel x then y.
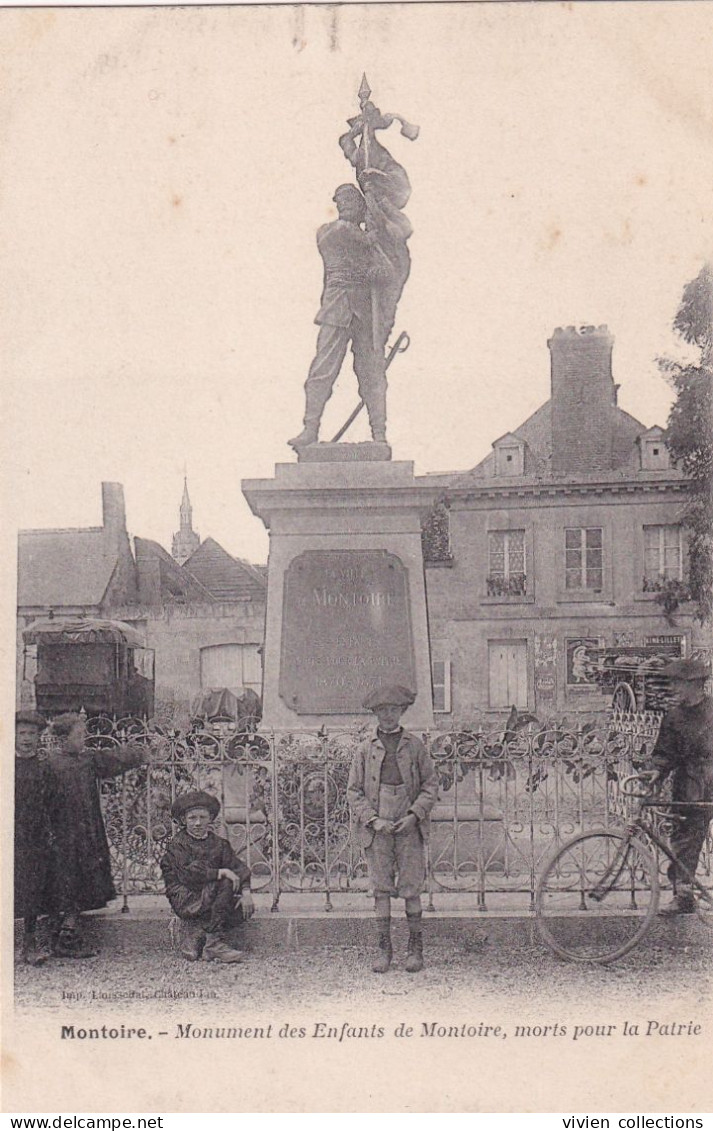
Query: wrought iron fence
{"type": "Point", "coordinates": [507, 798]}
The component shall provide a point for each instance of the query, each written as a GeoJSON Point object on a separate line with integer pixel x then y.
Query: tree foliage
{"type": "Point", "coordinates": [690, 429]}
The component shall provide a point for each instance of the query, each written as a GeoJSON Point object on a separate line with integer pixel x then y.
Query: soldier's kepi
{"type": "Point", "coordinates": [366, 264]}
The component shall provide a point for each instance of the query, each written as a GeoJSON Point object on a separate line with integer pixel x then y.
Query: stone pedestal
{"type": "Point", "coordinates": [346, 604]}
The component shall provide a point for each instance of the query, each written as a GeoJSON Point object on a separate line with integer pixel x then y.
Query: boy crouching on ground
{"type": "Point", "coordinates": [207, 885]}
{"type": "Point", "coordinates": [392, 788]}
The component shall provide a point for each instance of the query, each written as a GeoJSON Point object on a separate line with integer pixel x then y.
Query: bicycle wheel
{"type": "Point", "coordinates": [597, 896]}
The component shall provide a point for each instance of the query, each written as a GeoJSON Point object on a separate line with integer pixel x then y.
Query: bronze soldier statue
{"type": "Point", "coordinates": [365, 269]}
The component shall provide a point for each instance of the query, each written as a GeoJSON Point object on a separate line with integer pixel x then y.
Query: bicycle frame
{"type": "Point", "coordinates": [619, 865]}
{"type": "Point", "coordinates": [649, 835]}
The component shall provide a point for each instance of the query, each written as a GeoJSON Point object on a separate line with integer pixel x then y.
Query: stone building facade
{"type": "Point", "coordinates": [203, 618]}
{"type": "Point", "coordinates": [567, 535]}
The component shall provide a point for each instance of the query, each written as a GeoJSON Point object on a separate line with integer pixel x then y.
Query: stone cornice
{"type": "Point", "coordinates": [392, 489]}
{"type": "Point", "coordinates": [540, 489]}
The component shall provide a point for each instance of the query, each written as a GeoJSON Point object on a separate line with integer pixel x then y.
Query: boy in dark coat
{"type": "Point", "coordinates": [32, 832]}
{"type": "Point", "coordinates": [207, 884]}
{"type": "Point", "coordinates": [81, 879]}
{"type": "Point", "coordinates": [392, 788]}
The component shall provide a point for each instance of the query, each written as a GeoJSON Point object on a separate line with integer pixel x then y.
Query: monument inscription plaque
{"type": "Point", "coordinates": [346, 627]}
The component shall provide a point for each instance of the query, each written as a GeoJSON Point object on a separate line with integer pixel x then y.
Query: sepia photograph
{"type": "Point", "coordinates": [358, 573]}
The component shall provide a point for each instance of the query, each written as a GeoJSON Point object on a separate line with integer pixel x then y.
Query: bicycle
{"type": "Point", "coordinates": [598, 893]}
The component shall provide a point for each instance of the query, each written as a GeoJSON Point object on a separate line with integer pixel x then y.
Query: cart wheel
{"type": "Point", "coordinates": [623, 698]}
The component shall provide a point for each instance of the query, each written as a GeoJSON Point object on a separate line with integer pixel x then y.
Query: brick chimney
{"type": "Point", "coordinates": [583, 400]}
{"type": "Point", "coordinates": [113, 508]}
{"type": "Point", "coordinates": [123, 587]}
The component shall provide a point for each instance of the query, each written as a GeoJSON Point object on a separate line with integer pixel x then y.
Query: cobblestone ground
{"type": "Point", "coordinates": [132, 973]}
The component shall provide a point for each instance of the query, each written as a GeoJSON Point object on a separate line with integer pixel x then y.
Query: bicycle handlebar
{"type": "Point", "coordinates": [628, 789]}
{"type": "Point", "coordinates": [642, 778]}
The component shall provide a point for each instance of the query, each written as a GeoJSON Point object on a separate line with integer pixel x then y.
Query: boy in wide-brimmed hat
{"type": "Point", "coordinates": [32, 833]}
{"type": "Point", "coordinates": [684, 748]}
{"type": "Point", "coordinates": [207, 884]}
{"type": "Point", "coordinates": [392, 788]}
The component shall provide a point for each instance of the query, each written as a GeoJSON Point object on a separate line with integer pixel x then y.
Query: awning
{"type": "Point", "coordinates": [82, 631]}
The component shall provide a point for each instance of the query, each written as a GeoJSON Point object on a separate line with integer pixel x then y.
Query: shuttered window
{"type": "Point", "coordinates": [441, 670]}
{"type": "Point", "coordinates": [507, 673]}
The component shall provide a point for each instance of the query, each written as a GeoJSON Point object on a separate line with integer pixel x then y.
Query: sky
{"type": "Point", "coordinates": [166, 171]}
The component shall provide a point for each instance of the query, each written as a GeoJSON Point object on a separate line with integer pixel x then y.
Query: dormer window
{"type": "Point", "coordinates": [509, 456]}
{"type": "Point", "coordinates": [653, 451]}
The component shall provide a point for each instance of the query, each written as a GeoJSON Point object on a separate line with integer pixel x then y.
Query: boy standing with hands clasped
{"type": "Point", "coordinates": [392, 788]}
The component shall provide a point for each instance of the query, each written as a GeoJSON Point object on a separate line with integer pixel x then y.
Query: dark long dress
{"type": "Point", "coordinates": [32, 838]}
{"type": "Point", "coordinates": [82, 878]}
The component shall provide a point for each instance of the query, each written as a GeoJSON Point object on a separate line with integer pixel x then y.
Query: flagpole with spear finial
{"type": "Point", "coordinates": [365, 127]}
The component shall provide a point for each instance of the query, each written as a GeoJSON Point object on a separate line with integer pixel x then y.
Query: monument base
{"type": "Point", "coordinates": [340, 453]}
{"type": "Point", "coordinates": [346, 602]}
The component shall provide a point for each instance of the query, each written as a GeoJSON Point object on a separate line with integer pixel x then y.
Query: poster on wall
{"type": "Point", "coordinates": [577, 651]}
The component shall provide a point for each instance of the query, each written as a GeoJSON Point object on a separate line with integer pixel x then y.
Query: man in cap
{"type": "Point", "coordinates": [353, 262]}
{"type": "Point", "coordinates": [207, 884]}
{"type": "Point", "coordinates": [392, 788]}
{"type": "Point", "coordinates": [684, 748]}
{"type": "Point", "coordinates": [32, 833]}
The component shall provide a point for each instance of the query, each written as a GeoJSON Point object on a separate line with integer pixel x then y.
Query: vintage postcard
{"type": "Point", "coordinates": [355, 593]}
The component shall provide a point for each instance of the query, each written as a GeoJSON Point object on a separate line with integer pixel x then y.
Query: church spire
{"type": "Point", "coordinates": [186, 540]}
{"type": "Point", "coordinates": [186, 508]}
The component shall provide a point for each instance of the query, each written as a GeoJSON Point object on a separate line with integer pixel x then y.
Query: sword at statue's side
{"type": "Point", "coordinates": [401, 344]}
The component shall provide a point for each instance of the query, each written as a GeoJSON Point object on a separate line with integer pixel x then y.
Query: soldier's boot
{"type": "Point", "coordinates": [376, 407]}
{"type": "Point", "coordinates": [414, 953]}
{"type": "Point", "coordinates": [683, 903]}
{"type": "Point", "coordinates": [33, 953]}
{"type": "Point", "coordinates": [307, 436]}
{"type": "Point", "coordinates": [217, 950]}
{"type": "Point", "coordinates": [315, 400]}
{"type": "Point", "coordinates": [385, 952]}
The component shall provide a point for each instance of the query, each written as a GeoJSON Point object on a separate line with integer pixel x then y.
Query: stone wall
{"type": "Point", "coordinates": [463, 618]}
{"type": "Point", "coordinates": [178, 633]}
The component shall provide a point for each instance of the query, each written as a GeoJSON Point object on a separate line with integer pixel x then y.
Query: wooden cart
{"type": "Point", "coordinates": [632, 675]}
